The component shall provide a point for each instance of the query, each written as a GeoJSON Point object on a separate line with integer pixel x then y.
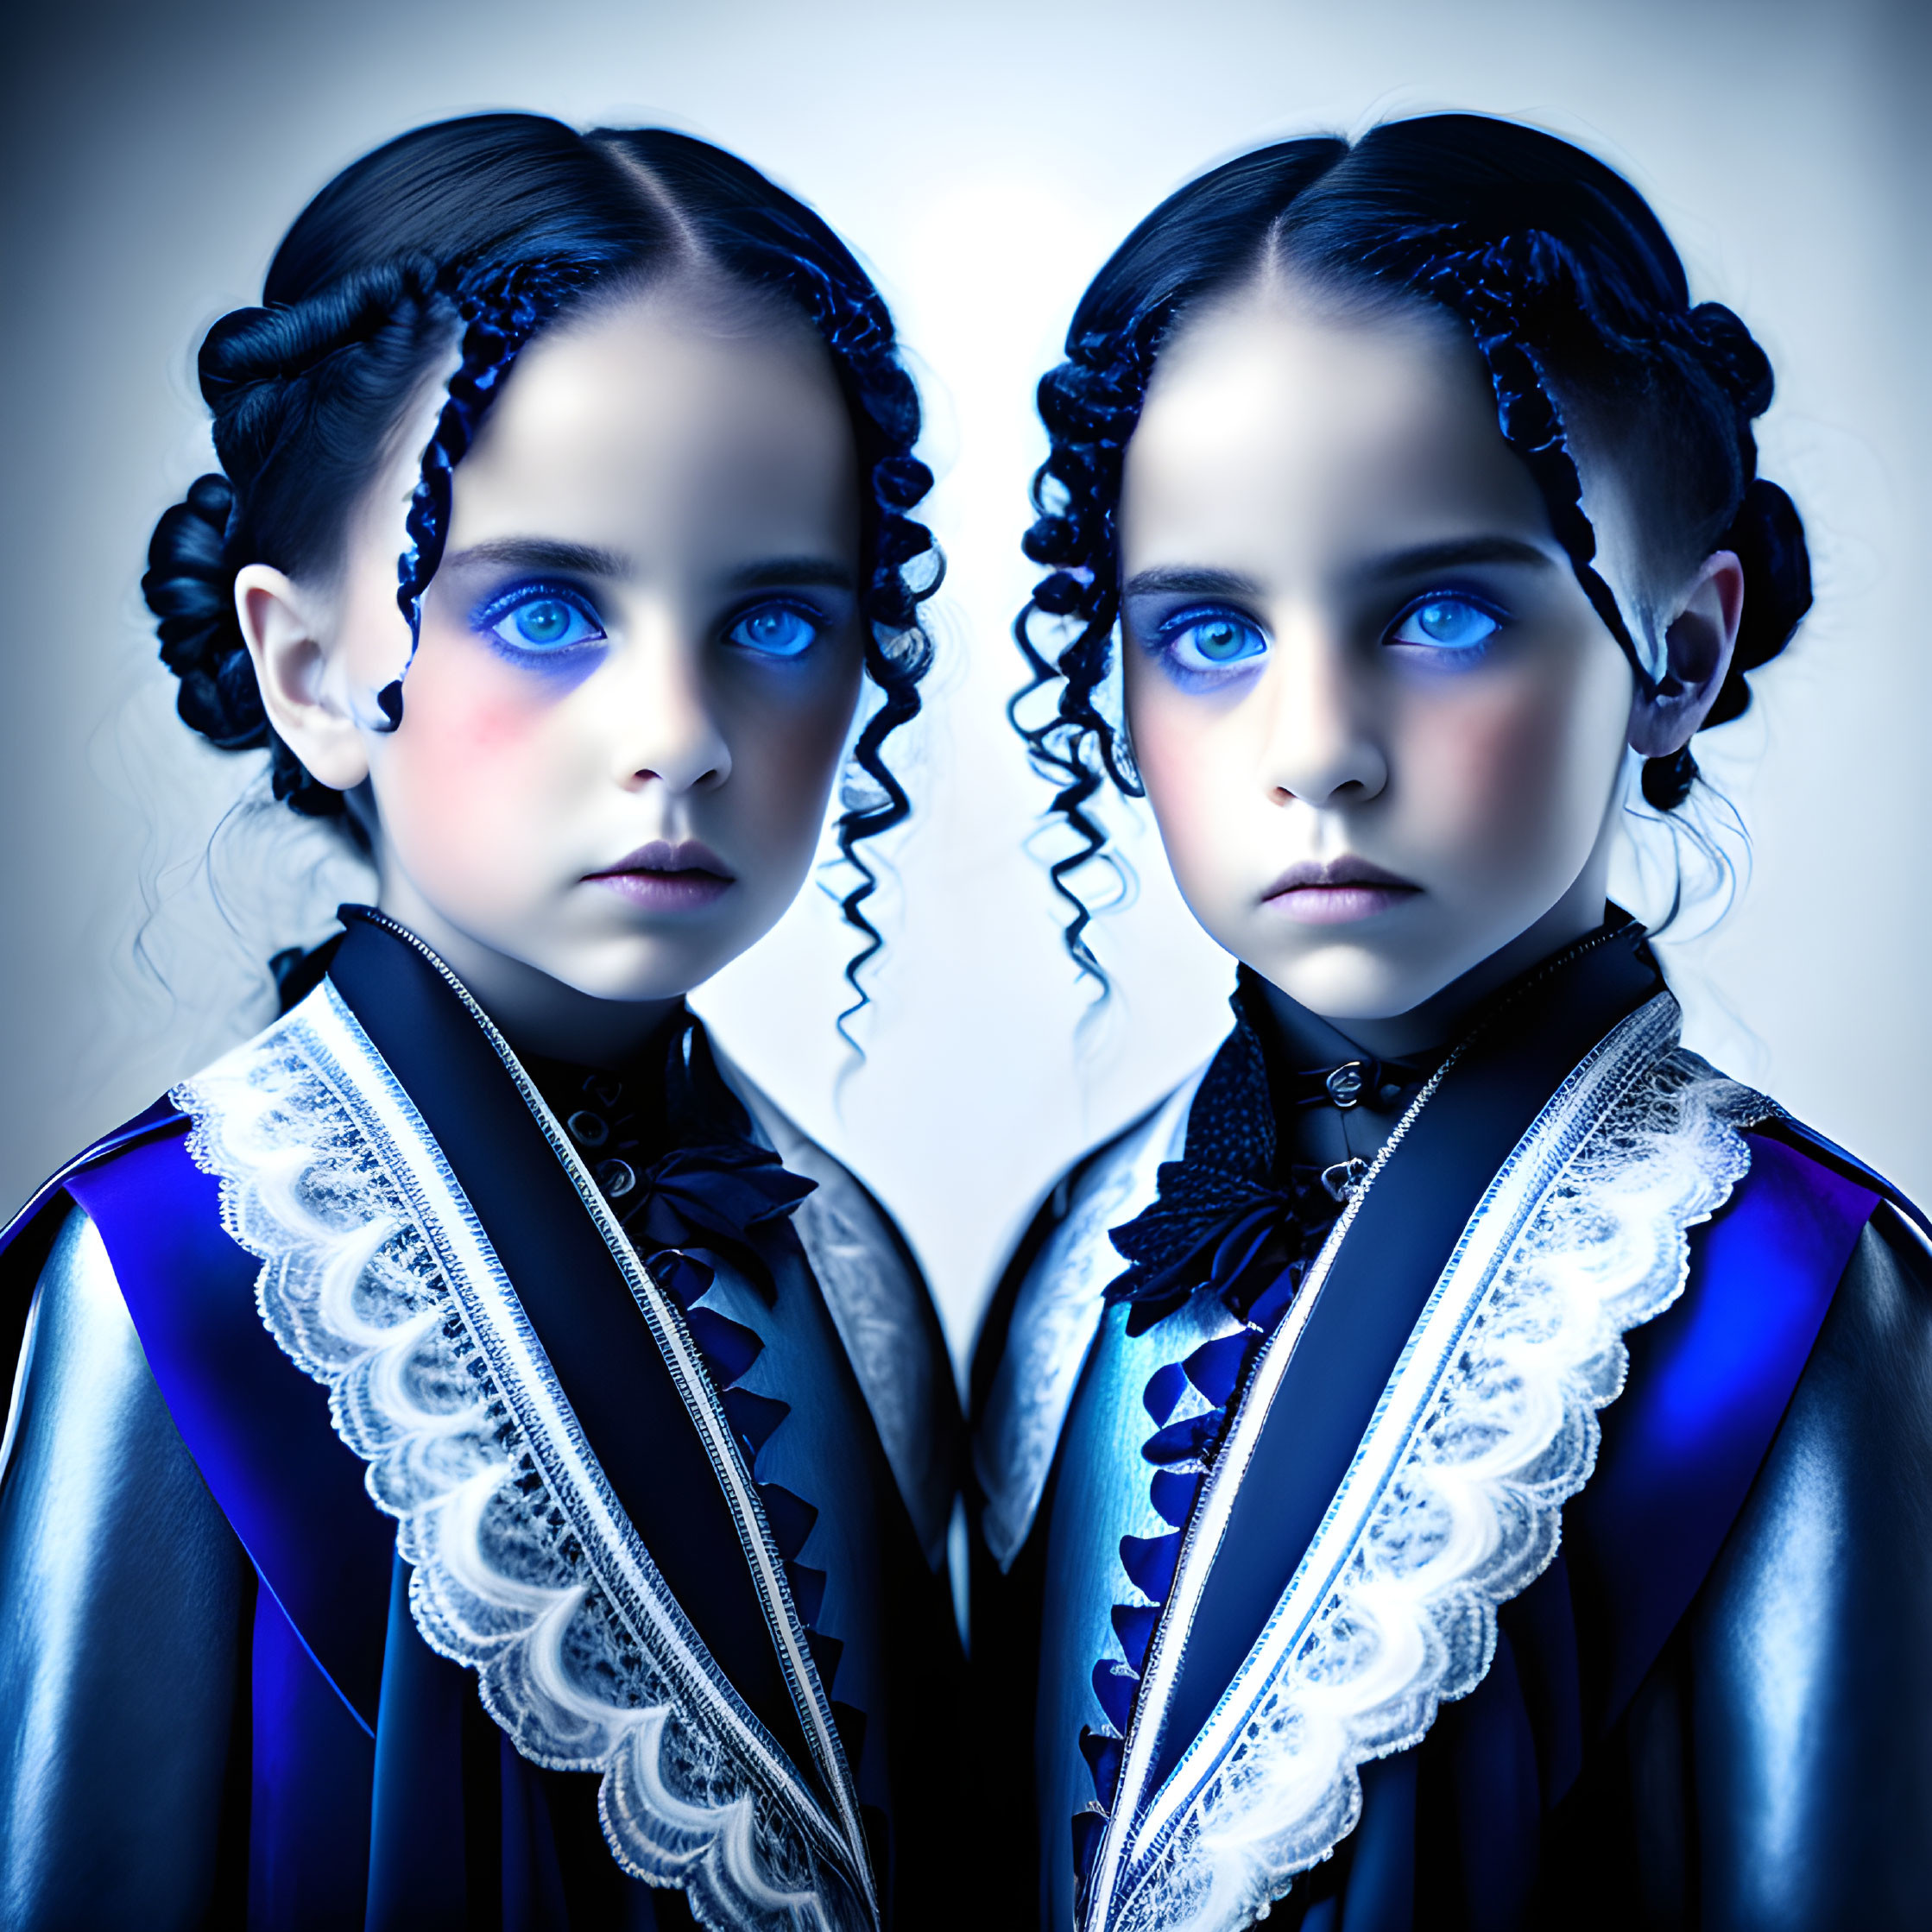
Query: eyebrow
{"type": "Point", "coordinates": [823, 573]}
{"type": "Point", "coordinates": [1190, 582]}
{"type": "Point", "coordinates": [1457, 551]}
{"type": "Point", "coordinates": [543, 554]}
{"type": "Point", "coordinates": [579, 559]}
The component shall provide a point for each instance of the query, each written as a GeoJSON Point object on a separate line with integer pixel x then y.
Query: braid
{"type": "Point", "coordinates": [255, 362]}
{"type": "Point", "coordinates": [1090, 405]}
{"type": "Point", "coordinates": [1455, 210]}
{"type": "Point", "coordinates": [501, 309]}
{"type": "Point", "coordinates": [267, 374]}
{"type": "Point", "coordinates": [1503, 289]}
{"type": "Point", "coordinates": [1523, 295]}
{"type": "Point", "coordinates": [853, 324]}
{"type": "Point", "coordinates": [481, 229]}
{"type": "Point", "coordinates": [1765, 530]}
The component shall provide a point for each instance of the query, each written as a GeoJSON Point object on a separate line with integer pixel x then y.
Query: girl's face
{"type": "Point", "coordinates": [1380, 725]}
{"type": "Point", "coordinates": [639, 656]}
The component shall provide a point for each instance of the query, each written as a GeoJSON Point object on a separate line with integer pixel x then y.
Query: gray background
{"type": "Point", "coordinates": [983, 159]}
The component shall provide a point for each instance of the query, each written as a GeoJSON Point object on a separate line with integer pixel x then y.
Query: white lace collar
{"type": "Point", "coordinates": [378, 1281]}
{"type": "Point", "coordinates": [1452, 1504]}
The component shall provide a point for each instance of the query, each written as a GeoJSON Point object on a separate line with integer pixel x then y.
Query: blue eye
{"type": "Point", "coordinates": [776, 630]}
{"type": "Point", "coordinates": [1441, 623]}
{"type": "Point", "coordinates": [540, 623]}
{"type": "Point", "coordinates": [1208, 642]}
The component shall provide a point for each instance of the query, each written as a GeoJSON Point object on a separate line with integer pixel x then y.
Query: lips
{"type": "Point", "coordinates": [667, 876]}
{"type": "Point", "coordinates": [1337, 892]}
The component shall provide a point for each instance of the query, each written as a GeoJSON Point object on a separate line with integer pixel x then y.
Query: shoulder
{"type": "Point", "coordinates": [876, 1294]}
{"type": "Point", "coordinates": [1048, 1309]}
{"type": "Point", "coordinates": [79, 1356]}
{"type": "Point", "coordinates": [1105, 1187]}
{"type": "Point", "coordinates": [1874, 1350]}
{"type": "Point", "coordinates": [29, 1235]}
{"type": "Point", "coordinates": [1784, 1130]}
{"type": "Point", "coordinates": [51, 1223]}
{"type": "Point", "coordinates": [1812, 1229]}
{"type": "Point", "coordinates": [1825, 1585]}
{"type": "Point", "coordinates": [839, 1192]}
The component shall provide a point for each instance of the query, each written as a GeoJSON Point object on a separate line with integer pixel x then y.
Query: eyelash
{"type": "Point", "coordinates": [816, 621]}
{"type": "Point", "coordinates": [1497, 620]}
{"type": "Point", "coordinates": [489, 622]}
{"type": "Point", "coordinates": [489, 619]}
{"type": "Point", "coordinates": [1169, 637]}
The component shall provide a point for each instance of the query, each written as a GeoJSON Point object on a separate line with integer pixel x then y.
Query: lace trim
{"type": "Point", "coordinates": [377, 1280]}
{"type": "Point", "coordinates": [1452, 1505]}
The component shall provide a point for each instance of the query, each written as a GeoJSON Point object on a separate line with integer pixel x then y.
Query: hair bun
{"type": "Point", "coordinates": [1768, 537]}
{"type": "Point", "coordinates": [190, 587]}
{"type": "Point", "coordinates": [252, 357]}
{"type": "Point", "coordinates": [1730, 354]}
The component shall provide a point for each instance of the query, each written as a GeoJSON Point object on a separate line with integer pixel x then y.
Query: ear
{"type": "Point", "coordinates": [285, 627]}
{"type": "Point", "coordinates": [1698, 641]}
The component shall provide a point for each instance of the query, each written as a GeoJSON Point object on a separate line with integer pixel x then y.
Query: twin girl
{"type": "Point", "coordinates": [1459, 1460]}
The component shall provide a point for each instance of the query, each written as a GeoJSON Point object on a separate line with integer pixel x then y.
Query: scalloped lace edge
{"type": "Point", "coordinates": [580, 1670]}
{"type": "Point", "coordinates": [1507, 1433]}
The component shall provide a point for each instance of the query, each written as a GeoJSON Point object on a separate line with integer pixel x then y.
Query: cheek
{"type": "Point", "coordinates": [474, 771]}
{"type": "Point", "coordinates": [1513, 777]}
{"type": "Point", "coordinates": [1192, 766]}
{"type": "Point", "coordinates": [785, 740]}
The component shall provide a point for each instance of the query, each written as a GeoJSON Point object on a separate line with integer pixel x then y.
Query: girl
{"type": "Point", "coordinates": [483, 1236]}
{"type": "Point", "coordinates": [1315, 1583]}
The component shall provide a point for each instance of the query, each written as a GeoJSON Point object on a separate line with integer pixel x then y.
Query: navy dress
{"type": "Point", "coordinates": [444, 1490]}
{"type": "Point", "coordinates": [1487, 1491]}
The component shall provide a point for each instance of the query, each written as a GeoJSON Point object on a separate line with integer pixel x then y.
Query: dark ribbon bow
{"type": "Point", "coordinates": [677, 1160]}
{"type": "Point", "coordinates": [1198, 1212]}
{"type": "Point", "coordinates": [1221, 1207]}
{"type": "Point", "coordinates": [730, 1197]}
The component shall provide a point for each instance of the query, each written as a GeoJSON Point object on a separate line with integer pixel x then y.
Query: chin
{"type": "Point", "coordinates": [629, 974]}
{"type": "Point", "coordinates": [1353, 982]}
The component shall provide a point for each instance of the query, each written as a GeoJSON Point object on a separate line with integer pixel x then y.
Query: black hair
{"type": "Point", "coordinates": [1579, 306]}
{"type": "Point", "coordinates": [489, 226]}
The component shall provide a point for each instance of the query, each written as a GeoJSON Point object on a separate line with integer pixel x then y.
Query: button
{"type": "Point", "coordinates": [588, 1129]}
{"type": "Point", "coordinates": [615, 1178]}
{"type": "Point", "coordinates": [1342, 1180]}
{"type": "Point", "coordinates": [1345, 1084]}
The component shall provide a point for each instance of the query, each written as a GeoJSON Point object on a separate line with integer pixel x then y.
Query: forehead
{"type": "Point", "coordinates": [1278, 418]}
{"type": "Point", "coordinates": [669, 411]}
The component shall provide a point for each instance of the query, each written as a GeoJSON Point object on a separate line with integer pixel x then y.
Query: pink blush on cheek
{"type": "Point", "coordinates": [1499, 791]}
{"type": "Point", "coordinates": [469, 708]}
{"type": "Point", "coordinates": [465, 777]}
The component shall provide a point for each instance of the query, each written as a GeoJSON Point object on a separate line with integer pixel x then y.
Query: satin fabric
{"type": "Point", "coordinates": [1498, 1817]}
{"type": "Point", "coordinates": [361, 1783]}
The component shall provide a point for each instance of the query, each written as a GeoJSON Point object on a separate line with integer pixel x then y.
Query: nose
{"type": "Point", "coordinates": [666, 728]}
{"type": "Point", "coordinates": [1322, 747]}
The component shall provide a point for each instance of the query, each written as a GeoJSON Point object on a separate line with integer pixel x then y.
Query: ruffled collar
{"type": "Point", "coordinates": [1256, 1188]}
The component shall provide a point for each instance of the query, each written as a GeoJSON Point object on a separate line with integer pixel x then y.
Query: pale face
{"type": "Point", "coordinates": [1381, 727]}
{"type": "Point", "coordinates": [639, 661]}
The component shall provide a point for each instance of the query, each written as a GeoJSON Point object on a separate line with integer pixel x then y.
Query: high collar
{"type": "Point", "coordinates": [1334, 1102]}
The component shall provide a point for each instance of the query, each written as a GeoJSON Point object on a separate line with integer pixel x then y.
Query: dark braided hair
{"type": "Point", "coordinates": [1579, 306]}
{"type": "Point", "coordinates": [487, 228]}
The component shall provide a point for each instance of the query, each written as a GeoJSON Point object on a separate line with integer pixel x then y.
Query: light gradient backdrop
{"type": "Point", "coordinates": [983, 159]}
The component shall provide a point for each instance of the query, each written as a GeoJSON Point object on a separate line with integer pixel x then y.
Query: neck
{"type": "Point", "coordinates": [537, 1014]}
{"type": "Point", "coordinates": [1443, 1015]}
